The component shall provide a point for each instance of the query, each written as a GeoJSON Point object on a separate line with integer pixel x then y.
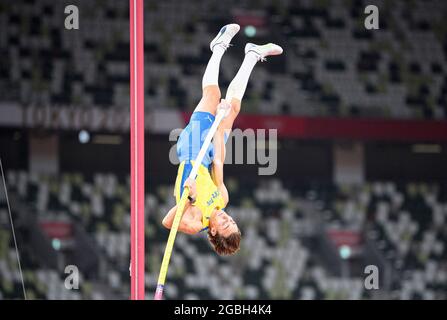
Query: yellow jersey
{"type": "Point", "coordinates": [208, 195]}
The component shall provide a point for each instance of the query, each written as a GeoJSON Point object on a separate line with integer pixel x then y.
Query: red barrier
{"type": "Point", "coordinates": [337, 128]}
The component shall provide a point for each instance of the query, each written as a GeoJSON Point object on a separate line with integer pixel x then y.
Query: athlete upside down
{"type": "Point", "coordinates": [208, 195]}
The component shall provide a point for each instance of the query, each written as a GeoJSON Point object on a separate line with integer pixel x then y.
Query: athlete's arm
{"type": "Point", "coordinates": [187, 223]}
{"type": "Point", "coordinates": [232, 109]}
{"type": "Point", "coordinates": [218, 164]}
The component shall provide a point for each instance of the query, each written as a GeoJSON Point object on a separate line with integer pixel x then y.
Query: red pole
{"type": "Point", "coordinates": [137, 149]}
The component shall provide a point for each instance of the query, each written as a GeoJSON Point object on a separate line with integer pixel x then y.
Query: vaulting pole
{"type": "Point", "coordinates": [137, 149]}
{"type": "Point", "coordinates": [180, 208]}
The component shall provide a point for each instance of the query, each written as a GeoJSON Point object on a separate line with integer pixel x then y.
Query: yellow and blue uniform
{"type": "Point", "coordinates": [208, 196]}
{"type": "Point", "coordinates": [188, 147]}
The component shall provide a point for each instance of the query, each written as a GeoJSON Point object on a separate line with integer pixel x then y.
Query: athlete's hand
{"type": "Point", "coordinates": [191, 184]}
{"type": "Point", "coordinates": [224, 105]}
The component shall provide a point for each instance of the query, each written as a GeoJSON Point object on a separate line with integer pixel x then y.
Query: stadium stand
{"type": "Point", "coordinates": [333, 66]}
{"type": "Point", "coordinates": [405, 222]}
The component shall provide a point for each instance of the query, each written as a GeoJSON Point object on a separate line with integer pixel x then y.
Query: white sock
{"type": "Point", "coordinates": [237, 87]}
{"type": "Point", "coordinates": [211, 75]}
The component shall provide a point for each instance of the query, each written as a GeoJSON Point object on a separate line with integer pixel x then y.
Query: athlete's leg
{"type": "Point", "coordinates": [235, 93]}
{"type": "Point", "coordinates": [237, 87]}
{"type": "Point", "coordinates": [210, 85]}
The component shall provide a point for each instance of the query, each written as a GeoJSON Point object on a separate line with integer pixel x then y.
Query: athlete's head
{"type": "Point", "coordinates": [223, 233]}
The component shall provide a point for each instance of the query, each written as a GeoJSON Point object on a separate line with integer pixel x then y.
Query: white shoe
{"type": "Point", "coordinates": [269, 49]}
{"type": "Point", "coordinates": [225, 35]}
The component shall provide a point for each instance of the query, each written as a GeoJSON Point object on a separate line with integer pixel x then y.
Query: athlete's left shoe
{"type": "Point", "coordinates": [269, 49]}
{"type": "Point", "coordinates": [225, 35]}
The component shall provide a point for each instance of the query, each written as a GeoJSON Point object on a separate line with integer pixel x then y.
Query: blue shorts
{"type": "Point", "coordinates": [193, 136]}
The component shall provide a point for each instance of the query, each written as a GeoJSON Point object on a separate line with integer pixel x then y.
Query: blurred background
{"type": "Point", "coordinates": [362, 152]}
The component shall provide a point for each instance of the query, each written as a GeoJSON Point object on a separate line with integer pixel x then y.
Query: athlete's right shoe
{"type": "Point", "coordinates": [269, 49]}
{"type": "Point", "coordinates": [225, 35]}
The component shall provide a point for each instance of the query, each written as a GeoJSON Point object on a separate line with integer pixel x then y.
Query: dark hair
{"type": "Point", "coordinates": [225, 246]}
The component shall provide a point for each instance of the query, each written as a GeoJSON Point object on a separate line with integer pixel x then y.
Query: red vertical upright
{"type": "Point", "coordinates": [137, 149]}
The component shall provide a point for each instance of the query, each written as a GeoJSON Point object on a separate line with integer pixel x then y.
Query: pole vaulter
{"type": "Point", "coordinates": [200, 205]}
